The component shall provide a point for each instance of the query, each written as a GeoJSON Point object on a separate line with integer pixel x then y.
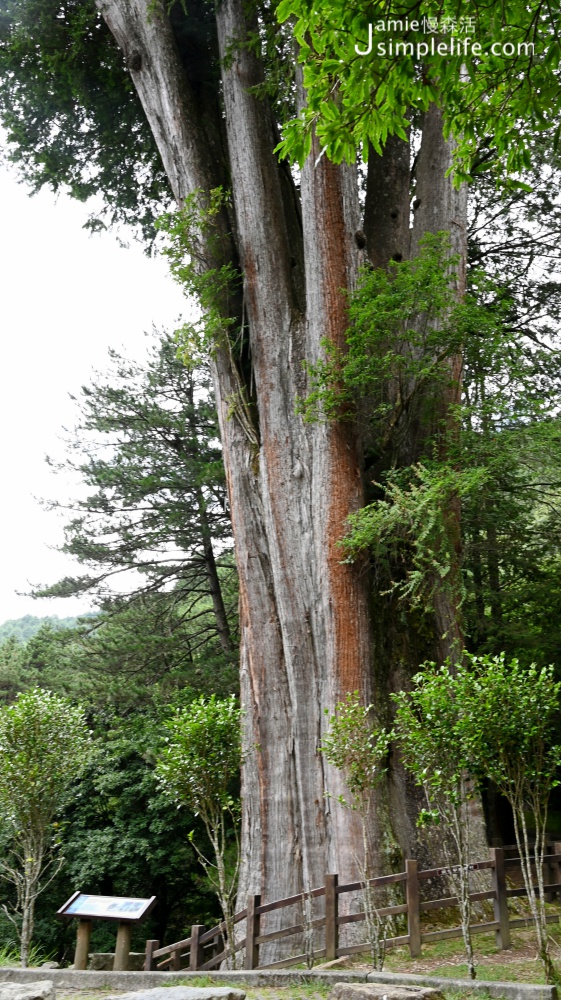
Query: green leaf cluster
{"type": "Point", "coordinates": [488, 98]}
{"type": "Point", "coordinates": [430, 730]}
{"type": "Point", "coordinates": [45, 745]}
{"type": "Point", "coordinates": [193, 243]}
{"type": "Point", "coordinates": [404, 326]}
{"type": "Point", "coordinates": [510, 727]}
{"type": "Point", "coordinates": [409, 532]}
{"type": "Point", "coordinates": [355, 745]}
{"type": "Point", "coordinates": [201, 762]}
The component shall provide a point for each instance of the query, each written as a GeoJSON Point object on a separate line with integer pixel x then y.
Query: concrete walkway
{"type": "Point", "coordinates": [127, 981]}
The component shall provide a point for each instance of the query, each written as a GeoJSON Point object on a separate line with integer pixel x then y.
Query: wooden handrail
{"type": "Point", "coordinates": [179, 946]}
{"type": "Point", "coordinates": [278, 904]}
{"type": "Point", "coordinates": [375, 882]}
{"type": "Point", "coordinates": [441, 904]}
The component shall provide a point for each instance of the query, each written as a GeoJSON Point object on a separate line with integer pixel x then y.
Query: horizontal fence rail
{"type": "Point", "coordinates": [206, 949]}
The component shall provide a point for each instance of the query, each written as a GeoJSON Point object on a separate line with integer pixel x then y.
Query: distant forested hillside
{"type": "Point", "coordinates": [28, 626]}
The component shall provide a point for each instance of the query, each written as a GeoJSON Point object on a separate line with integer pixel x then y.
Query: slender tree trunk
{"type": "Point", "coordinates": [29, 889]}
{"type": "Point", "coordinates": [405, 637]}
{"type": "Point", "coordinates": [479, 597]}
{"type": "Point", "coordinates": [439, 206]}
{"type": "Point", "coordinates": [215, 589]}
{"type": "Point", "coordinates": [27, 926]}
{"type": "Point", "coordinates": [493, 569]}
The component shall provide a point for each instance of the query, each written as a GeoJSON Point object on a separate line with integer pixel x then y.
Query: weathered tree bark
{"type": "Point", "coordinates": [305, 619]}
{"type": "Point", "coordinates": [309, 478]}
{"type": "Point", "coordinates": [386, 209]}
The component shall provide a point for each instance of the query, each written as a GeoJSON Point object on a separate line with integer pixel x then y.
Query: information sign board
{"type": "Point", "coordinates": [86, 907]}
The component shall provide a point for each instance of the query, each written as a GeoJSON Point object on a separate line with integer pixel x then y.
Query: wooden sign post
{"type": "Point", "coordinates": [82, 944]}
{"type": "Point", "coordinates": [127, 911]}
{"type": "Point", "coordinates": [122, 947]}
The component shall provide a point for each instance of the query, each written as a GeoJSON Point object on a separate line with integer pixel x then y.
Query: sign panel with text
{"type": "Point", "coordinates": [87, 907]}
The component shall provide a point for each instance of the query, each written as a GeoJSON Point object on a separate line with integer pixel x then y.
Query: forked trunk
{"type": "Point", "coordinates": [304, 615]}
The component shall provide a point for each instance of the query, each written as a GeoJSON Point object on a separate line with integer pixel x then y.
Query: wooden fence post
{"type": "Point", "coordinates": [218, 944]}
{"type": "Point", "coordinates": [253, 924]}
{"type": "Point", "coordinates": [413, 911]}
{"type": "Point", "coordinates": [196, 953]}
{"type": "Point", "coordinates": [149, 960]}
{"type": "Point", "coordinates": [331, 917]}
{"type": "Point", "coordinates": [500, 902]}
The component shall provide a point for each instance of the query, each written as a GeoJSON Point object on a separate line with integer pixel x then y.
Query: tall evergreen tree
{"type": "Point", "coordinates": [148, 448]}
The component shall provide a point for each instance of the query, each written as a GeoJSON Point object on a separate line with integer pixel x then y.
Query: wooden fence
{"type": "Point", "coordinates": [205, 949]}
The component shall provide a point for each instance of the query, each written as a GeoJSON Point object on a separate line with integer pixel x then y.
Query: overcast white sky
{"type": "Point", "coordinates": [65, 298]}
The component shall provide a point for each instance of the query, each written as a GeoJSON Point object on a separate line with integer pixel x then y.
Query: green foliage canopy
{"type": "Point", "coordinates": [200, 767]}
{"type": "Point", "coordinates": [147, 447]}
{"type": "Point", "coordinates": [488, 720]}
{"type": "Point", "coordinates": [71, 114]}
{"type": "Point", "coordinates": [357, 747]}
{"type": "Point", "coordinates": [201, 761]}
{"type": "Point", "coordinates": [431, 735]}
{"type": "Point", "coordinates": [490, 98]}
{"type": "Point", "coordinates": [45, 745]}
{"type": "Point", "coordinates": [509, 720]}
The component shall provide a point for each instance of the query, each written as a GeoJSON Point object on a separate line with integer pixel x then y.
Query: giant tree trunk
{"type": "Point", "coordinates": [304, 615]}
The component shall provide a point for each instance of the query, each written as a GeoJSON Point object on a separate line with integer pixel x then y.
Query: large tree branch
{"type": "Point", "coordinates": [266, 255]}
{"type": "Point", "coordinates": [143, 32]}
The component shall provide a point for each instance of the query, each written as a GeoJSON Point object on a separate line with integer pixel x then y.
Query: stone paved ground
{"type": "Point", "coordinates": [305, 992]}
